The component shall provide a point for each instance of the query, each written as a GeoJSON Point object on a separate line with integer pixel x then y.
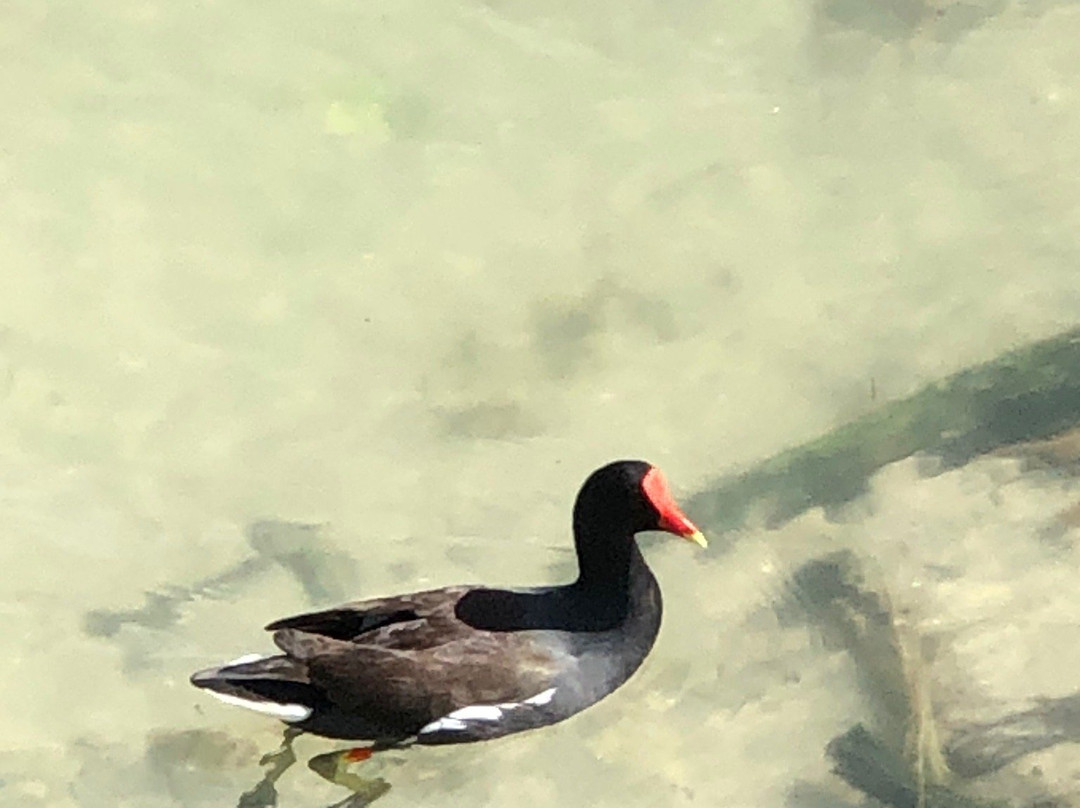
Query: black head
{"type": "Point", "coordinates": [616, 502]}
{"type": "Point", "coordinates": [628, 497]}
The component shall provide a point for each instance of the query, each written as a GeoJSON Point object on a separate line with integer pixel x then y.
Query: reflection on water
{"type": "Point", "coordinates": [310, 303]}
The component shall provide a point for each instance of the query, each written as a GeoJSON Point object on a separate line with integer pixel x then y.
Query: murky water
{"type": "Point", "coordinates": [404, 273]}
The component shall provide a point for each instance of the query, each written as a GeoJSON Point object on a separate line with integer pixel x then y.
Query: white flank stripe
{"type": "Point", "coordinates": [243, 660]}
{"type": "Point", "coordinates": [458, 720]}
{"type": "Point", "coordinates": [542, 698]}
{"type": "Point", "coordinates": [441, 724]}
{"type": "Point", "coordinates": [286, 712]}
{"type": "Point", "coordinates": [478, 712]}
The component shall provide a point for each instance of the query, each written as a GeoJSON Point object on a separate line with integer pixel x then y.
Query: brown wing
{"type": "Point", "coordinates": [410, 673]}
{"type": "Point", "coordinates": [415, 620]}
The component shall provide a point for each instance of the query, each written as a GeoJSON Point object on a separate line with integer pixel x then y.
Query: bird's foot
{"type": "Point", "coordinates": [264, 793]}
{"type": "Point", "coordinates": [334, 766]}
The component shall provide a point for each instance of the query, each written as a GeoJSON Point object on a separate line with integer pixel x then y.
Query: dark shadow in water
{"type": "Point", "coordinates": [897, 20]}
{"type": "Point", "coordinates": [1029, 394]}
{"type": "Point", "coordinates": [161, 610]}
{"type": "Point", "coordinates": [978, 749]}
{"type": "Point", "coordinates": [869, 765]}
{"type": "Point", "coordinates": [325, 573]}
{"type": "Point", "coordinates": [883, 760]}
{"type": "Point", "coordinates": [899, 761]}
{"type": "Point", "coordinates": [831, 594]}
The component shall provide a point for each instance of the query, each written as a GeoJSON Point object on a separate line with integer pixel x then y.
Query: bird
{"type": "Point", "coordinates": [471, 663]}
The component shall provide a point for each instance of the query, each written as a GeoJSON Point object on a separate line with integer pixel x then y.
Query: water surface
{"type": "Point", "coordinates": [404, 273]}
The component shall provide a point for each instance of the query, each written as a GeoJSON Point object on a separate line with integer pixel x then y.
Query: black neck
{"type": "Point", "coordinates": [605, 558]}
{"type": "Point", "coordinates": [611, 573]}
{"type": "Point", "coordinates": [611, 570]}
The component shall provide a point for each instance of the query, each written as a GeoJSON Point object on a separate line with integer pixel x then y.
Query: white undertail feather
{"type": "Point", "coordinates": [286, 712]}
{"type": "Point", "coordinates": [245, 659]}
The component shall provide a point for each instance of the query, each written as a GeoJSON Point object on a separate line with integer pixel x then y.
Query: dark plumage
{"type": "Point", "coordinates": [468, 663]}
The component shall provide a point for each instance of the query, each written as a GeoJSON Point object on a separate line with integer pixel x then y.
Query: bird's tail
{"type": "Point", "coordinates": [276, 685]}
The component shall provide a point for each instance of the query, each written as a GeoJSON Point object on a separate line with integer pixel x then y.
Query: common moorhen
{"type": "Point", "coordinates": [471, 663]}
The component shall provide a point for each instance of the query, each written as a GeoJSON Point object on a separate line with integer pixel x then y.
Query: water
{"type": "Point", "coordinates": [408, 272]}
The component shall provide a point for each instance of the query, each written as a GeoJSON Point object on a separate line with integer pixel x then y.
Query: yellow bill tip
{"type": "Point", "coordinates": [698, 538]}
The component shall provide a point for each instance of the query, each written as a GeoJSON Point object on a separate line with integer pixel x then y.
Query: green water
{"type": "Point", "coordinates": [408, 271]}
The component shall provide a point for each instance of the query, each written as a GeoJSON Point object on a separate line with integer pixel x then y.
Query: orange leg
{"type": "Point", "coordinates": [334, 767]}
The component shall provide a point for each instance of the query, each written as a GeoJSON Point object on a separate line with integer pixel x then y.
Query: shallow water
{"type": "Point", "coordinates": [406, 273]}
